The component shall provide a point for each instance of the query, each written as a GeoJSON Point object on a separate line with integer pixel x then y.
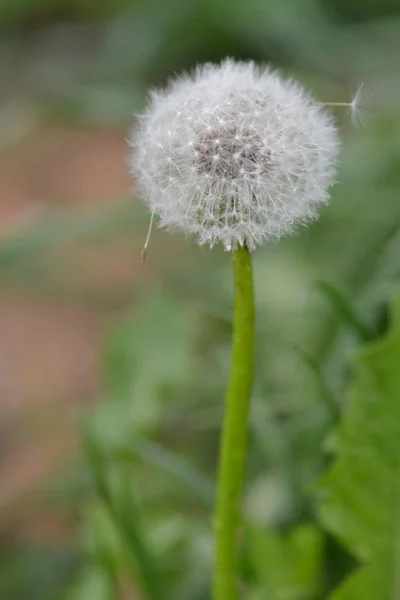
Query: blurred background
{"type": "Point", "coordinates": [112, 373]}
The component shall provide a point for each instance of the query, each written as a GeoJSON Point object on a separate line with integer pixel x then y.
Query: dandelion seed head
{"type": "Point", "coordinates": [235, 154]}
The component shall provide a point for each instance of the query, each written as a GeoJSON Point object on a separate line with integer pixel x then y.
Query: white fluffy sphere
{"type": "Point", "coordinates": [235, 154]}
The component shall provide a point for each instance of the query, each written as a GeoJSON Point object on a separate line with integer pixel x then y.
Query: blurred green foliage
{"type": "Point", "coordinates": [151, 444]}
{"type": "Point", "coordinates": [360, 494]}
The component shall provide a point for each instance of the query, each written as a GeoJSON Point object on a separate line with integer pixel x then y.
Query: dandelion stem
{"type": "Point", "coordinates": [234, 441]}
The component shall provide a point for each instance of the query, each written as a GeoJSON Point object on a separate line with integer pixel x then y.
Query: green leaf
{"type": "Point", "coordinates": [345, 310]}
{"type": "Point", "coordinates": [150, 356]}
{"type": "Point", "coordinates": [120, 443]}
{"type": "Point", "coordinates": [116, 494]}
{"type": "Point", "coordinates": [171, 463]}
{"type": "Point", "coordinates": [287, 566]}
{"type": "Point", "coordinates": [325, 393]}
{"type": "Point", "coordinates": [102, 538]}
{"type": "Point", "coordinates": [93, 584]}
{"type": "Point", "coordinates": [367, 583]}
{"type": "Point", "coordinates": [360, 496]}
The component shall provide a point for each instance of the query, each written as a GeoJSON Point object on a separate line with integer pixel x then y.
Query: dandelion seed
{"type": "Point", "coordinates": [276, 159]}
{"type": "Point", "coordinates": [143, 252]}
{"type": "Point", "coordinates": [358, 113]}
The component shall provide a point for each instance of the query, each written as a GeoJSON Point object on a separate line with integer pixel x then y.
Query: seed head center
{"type": "Point", "coordinates": [231, 154]}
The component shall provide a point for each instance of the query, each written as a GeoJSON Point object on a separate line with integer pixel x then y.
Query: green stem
{"type": "Point", "coordinates": [234, 442]}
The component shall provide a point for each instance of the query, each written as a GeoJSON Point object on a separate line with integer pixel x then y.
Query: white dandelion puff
{"type": "Point", "coordinates": [234, 153]}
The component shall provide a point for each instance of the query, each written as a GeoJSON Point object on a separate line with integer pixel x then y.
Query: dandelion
{"type": "Point", "coordinates": [234, 153]}
{"type": "Point", "coordinates": [239, 155]}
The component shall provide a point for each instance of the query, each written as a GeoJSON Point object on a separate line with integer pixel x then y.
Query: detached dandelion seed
{"type": "Point", "coordinates": [143, 253]}
{"type": "Point", "coordinates": [358, 113]}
